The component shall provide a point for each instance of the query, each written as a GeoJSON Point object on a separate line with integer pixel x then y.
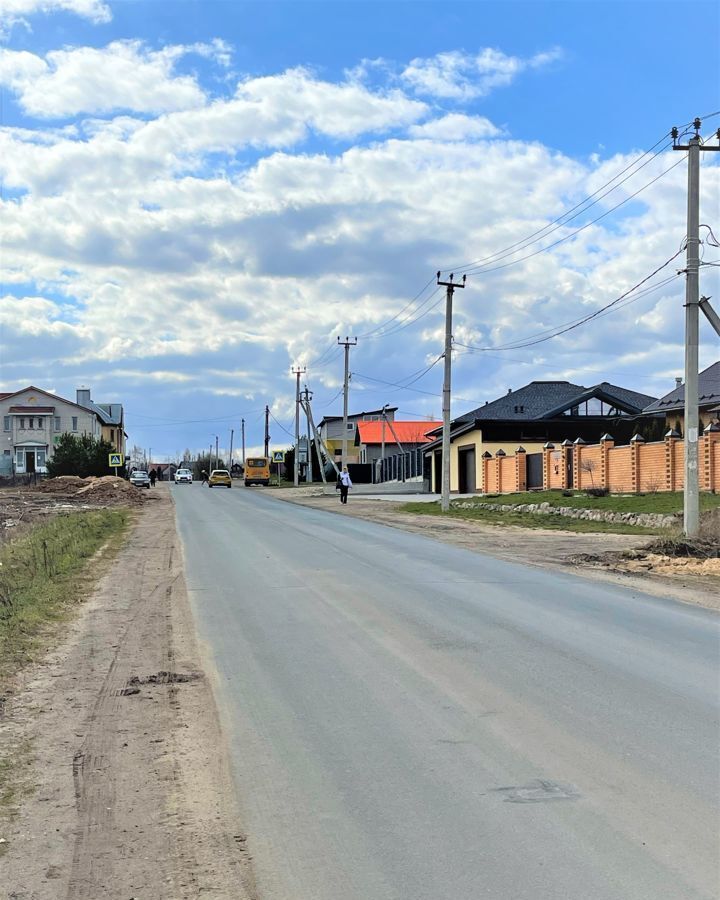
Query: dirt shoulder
{"type": "Point", "coordinates": [129, 792]}
{"type": "Point", "coordinates": [593, 555]}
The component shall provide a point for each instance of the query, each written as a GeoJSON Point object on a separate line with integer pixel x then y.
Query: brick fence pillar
{"type": "Point", "coordinates": [567, 462]}
{"type": "Point", "coordinates": [520, 470]}
{"type": "Point", "coordinates": [607, 442]}
{"type": "Point", "coordinates": [709, 478]}
{"type": "Point", "coordinates": [577, 461]}
{"type": "Point", "coordinates": [498, 462]}
{"type": "Point", "coordinates": [486, 460]}
{"type": "Point", "coordinates": [671, 439]}
{"type": "Point", "coordinates": [636, 442]}
{"type": "Point", "coordinates": [547, 463]}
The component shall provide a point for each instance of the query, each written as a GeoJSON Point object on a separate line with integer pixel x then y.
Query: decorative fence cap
{"type": "Point", "coordinates": [607, 437]}
{"type": "Point", "coordinates": [637, 439]}
{"type": "Point", "coordinates": [712, 428]}
{"type": "Point", "coordinates": [579, 441]}
{"type": "Point", "coordinates": [672, 434]}
{"type": "Point", "coordinates": [487, 455]}
{"type": "Point", "coordinates": [549, 446]}
{"type": "Point", "coordinates": [520, 449]}
{"type": "Point", "coordinates": [501, 453]}
{"type": "Point", "coordinates": [566, 443]}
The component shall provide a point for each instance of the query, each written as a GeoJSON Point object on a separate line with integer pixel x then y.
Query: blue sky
{"type": "Point", "coordinates": [198, 195]}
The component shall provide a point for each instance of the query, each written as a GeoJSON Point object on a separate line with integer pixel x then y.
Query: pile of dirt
{"type": "Point", "coordinates": [108, 490]}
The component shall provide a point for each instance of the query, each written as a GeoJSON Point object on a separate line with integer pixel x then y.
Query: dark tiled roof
{"type": "Point", "coordinates": [708, 392]}
{"type": "Point", "coordinates": [542, 399]}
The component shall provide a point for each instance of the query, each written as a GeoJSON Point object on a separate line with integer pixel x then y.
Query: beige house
{"type": "Point", "coordinates": [33, 421]}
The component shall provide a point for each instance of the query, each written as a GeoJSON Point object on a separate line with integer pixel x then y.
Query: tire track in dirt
{"type": "Point", "coordinates": [133, 791]}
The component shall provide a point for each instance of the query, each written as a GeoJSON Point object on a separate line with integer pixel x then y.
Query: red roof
{"type": "Point", "coordinates": [407, 432]}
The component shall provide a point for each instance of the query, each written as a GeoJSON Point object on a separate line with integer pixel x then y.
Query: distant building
{"type": "Point", "coordinates": [673, 403]}
{"type": "Point", "coordinates": [33, 421]}
{"type": "Point", "coordinates": [331, 431]}
{"type": "Point", "coordinates": [370, 437]}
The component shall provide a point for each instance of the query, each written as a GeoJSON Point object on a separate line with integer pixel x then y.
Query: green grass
{"type": "Point", "coordinates": [527, 520]}
{"type": "Point", "coordinates": [661, 503]}
{"type": "Point", "coordinates": [41, 577]}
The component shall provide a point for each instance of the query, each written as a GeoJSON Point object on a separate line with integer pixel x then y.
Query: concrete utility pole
{"type": "Point", "coordinates": [308, 469]}
{"type": "Point", "coordinates": [450, 286]}
{"type": "Point", "coordinates": [217, 452]}
{"type": "Point", "coordinates": [691, 503]}
{"type": "Point", "coordinates": [297, 373]}
{"type": "Point", "coordinates": [242, 431]}
{"type": "Point", "coordinates": [267, 430]}
{"type": "Point", "coordinates": [382, 449]}
{"type": "Point", "coordinates": [347, 344]}
{"type": "Point", "coordinates": [232, 435]}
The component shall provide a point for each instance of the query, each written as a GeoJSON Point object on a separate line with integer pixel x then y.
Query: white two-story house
{"type": "Point", "coordinates": [32, 422]}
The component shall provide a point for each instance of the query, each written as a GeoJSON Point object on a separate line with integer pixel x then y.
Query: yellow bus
{"type": "Point", "coordinates": [257, 470]}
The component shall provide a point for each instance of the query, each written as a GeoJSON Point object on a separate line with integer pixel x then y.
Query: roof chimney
{"type": "Point", "coordinates": [83, 397]}
{"type": "Point", "coordinates": [678, 381]}
{"type": "Point", "coordinates": [509, 390]}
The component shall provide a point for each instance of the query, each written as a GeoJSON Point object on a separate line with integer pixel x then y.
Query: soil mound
{"type": "Point", "coordinates": [106, 490]}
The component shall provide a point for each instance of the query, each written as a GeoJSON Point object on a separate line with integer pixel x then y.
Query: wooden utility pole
{"type": "Point", "coordinates": [450, 286]}
{"type": "Point", "coordinates": [267, 431]}
{"type": "Point", "coordinates": [347, 344]}
{"type": "Point", "coordinates": [232, 435]}
{"type": "Point", "coordinates": [242, 429]}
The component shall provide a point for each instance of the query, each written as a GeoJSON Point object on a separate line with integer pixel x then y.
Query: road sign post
{"type": "Point", "coordinates": [279, 458]}
{"type": "Point", "coordinates": [115, 461]}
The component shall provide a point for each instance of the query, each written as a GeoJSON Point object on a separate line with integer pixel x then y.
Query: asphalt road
{"type": "Point", "coordinates": [414, 721]}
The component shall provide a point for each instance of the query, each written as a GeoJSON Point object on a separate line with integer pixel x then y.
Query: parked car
{"type": "Point", "coordinates": [219, 478]}
{"type": "Point", "coordinates": [183, 476]}
{"type": "Point", "coordinates": [140, 479]}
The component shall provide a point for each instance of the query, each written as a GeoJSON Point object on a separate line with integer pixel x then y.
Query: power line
{"type": "Point", "coordinates": [516, 345]}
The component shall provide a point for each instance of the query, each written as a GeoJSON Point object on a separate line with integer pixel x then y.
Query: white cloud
{"type": "Point", "coordinates": [455, 127]}
{"type": "Point", "coordinates": [158, 256]}
{"type": "Point", "coordinates": [14, 12]}
{"type": "Point", "coordinates": [457, 75]}
{"type": "Point", "coordinates": [123, 75]}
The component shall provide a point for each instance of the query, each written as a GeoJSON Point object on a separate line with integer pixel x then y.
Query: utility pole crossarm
{"type": "Point", "coordinates": [710, 314]}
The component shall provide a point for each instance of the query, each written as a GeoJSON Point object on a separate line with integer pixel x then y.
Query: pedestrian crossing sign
{"type": "Point", "coordinates": [278, 456]}
{"type": "Point", "coordinates": [115, 460]}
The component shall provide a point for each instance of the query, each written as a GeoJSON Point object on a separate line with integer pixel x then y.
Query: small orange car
{"type": "Point", "coordinates": [219, 478]}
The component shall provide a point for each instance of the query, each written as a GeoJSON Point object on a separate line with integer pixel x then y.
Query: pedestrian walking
{"type": "Point", "coordinates": [153, 476]}
{"type": "Point", "coordinates": [345, 484]}
{"type": "Point", "coordinates": [204, 477]}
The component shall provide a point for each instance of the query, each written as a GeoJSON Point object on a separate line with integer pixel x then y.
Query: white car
{"type": "Point", "coordinates": [140, 479]}
{"type": "Point", "coordinates": [183, 475]}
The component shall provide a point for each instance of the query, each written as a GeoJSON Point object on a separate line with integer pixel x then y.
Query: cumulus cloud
{"type": "Point", "coordinates": [124, 75]}
{"type": "Point", "coordinates": [456, 75]}
{"type": "Point", "coordinates": [14, 12]}
{"type": "Point", "coordinates": [455, 127]}
{"type": "Point", "coordinates": [205, 251]}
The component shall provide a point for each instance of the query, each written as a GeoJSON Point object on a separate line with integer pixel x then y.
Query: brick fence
{"type": "Point", "coordinates": [635, 468]}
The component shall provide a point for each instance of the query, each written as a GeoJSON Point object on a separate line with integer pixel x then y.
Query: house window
{"type": "Point", "coordinates": [40, 459]}
{"type": "Point", "coordinates": [22, 423]}
{"type": "Point", "coordinates": [57, 423]}
{"type": "Point", "coordinates": [351, 426]}
{"type": "Point", "coordinates": [112, 435]}
{"type": "Point", "coordinates": [6, 423]}
{"type": "Point", "coordinates": [74, 423]}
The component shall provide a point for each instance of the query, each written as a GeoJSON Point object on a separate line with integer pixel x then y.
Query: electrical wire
{"type": "Point", "coordinates": [280, 424]}
{"type": "Point", "coordinates": [519, 345]}
{"type": "Point", "coordinates": [564, 218]}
